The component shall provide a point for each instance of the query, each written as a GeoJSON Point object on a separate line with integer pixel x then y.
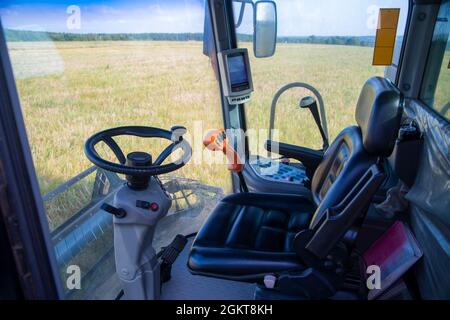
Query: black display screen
{"type": "Point", "coordinates": [238, 72]}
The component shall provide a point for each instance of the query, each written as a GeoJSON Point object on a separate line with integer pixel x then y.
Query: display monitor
{"type": "Point", "coordinates": [236, 75]}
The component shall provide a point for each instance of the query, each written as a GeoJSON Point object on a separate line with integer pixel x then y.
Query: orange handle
{"type": "Point", "coordinates": [216, 140]}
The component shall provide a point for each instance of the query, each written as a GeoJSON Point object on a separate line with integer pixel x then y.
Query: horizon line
{"type": "Point", "coordinates": [143, 33]}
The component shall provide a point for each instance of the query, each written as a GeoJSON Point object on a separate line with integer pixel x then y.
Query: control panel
{"type": "Point", "coordinates": [275, 170]}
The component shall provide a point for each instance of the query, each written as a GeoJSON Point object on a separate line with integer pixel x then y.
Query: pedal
{"type": "Point", "coordinates": [170, 254]}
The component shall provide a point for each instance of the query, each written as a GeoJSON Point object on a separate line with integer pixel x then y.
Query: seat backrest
{"type": "Point", "coordinates": [357, 148]}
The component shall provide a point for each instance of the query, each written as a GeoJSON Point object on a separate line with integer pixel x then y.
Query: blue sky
{"type": "Point", "coordinates": [296, 17]}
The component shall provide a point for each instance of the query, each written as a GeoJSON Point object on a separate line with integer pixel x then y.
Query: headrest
{"type": "Point", "coordinates": [378, 114]}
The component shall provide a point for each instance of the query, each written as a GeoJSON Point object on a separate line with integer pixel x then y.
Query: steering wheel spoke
{"type": "Point", "coordinates": [112, 144]}
{"type": "Point", "coordinates": [165, 154]}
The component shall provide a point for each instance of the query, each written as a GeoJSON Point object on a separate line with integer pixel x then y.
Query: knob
{"type": "Point", "coordinates": [177, 133]}
{"type": "Point", "coordinates": [139, 159]}
{"type": "Point", "coordinates": [307, 102]}
{"type": "Point", "coordinates": [117, 212]}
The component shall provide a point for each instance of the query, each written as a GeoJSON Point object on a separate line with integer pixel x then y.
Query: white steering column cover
{"type": "Point", "coordinates": [136, 262]}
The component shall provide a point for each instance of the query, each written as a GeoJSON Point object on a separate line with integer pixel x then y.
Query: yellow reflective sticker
{"type": "Point", "coordinates": [385, 36]}
{"type": "Point", "coordinates": [382, 56]}
{"type": "Point", "coordinates": [388, 18]}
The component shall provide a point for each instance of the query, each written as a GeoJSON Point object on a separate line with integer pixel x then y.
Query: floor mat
{"type": "Point", "coordinates": [185, 286]}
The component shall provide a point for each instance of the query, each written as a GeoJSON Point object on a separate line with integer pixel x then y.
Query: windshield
{"type": "Point", "coordinates": [85, 66]}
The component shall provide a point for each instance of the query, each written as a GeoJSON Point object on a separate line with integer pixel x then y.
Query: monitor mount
{"type": "Point", "coordinates": [139, 205]}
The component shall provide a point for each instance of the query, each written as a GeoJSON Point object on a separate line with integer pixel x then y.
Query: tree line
{"type": "Point", "coordinates": [24, 35]}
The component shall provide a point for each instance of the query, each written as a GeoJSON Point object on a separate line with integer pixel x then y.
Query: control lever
{"type": "Point", "coordinates": [311, 104]}
{"type": "Point", "coordinates": [169, 254]}
{"type": "Point", "coordinates": [216, 140]}
{"type": "Point", "coordinates": [117, 212]}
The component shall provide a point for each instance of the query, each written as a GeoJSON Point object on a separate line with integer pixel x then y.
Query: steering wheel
{"type": "Point", "coordinates": [146, 167]}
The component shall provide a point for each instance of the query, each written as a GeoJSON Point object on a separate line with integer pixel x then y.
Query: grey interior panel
{"type": "Point", "coordinates": [429, 203]}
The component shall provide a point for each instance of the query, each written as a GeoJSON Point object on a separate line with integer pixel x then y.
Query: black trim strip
{"type": "Point", "coordinates": [25, 218]}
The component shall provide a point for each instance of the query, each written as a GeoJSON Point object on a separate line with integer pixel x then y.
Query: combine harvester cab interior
{"type": "Point", "coordinates": [225, 149]}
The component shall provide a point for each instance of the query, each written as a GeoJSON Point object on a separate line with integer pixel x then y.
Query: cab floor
{"type": "Point", "coordinates": [185, 286]}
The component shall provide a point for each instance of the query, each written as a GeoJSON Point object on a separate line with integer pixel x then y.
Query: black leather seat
{"type": "Point", "coordinates": [249, 235]}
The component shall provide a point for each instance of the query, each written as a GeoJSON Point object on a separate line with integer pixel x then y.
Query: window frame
{"type": "Point", "coordinates": [24, 214]}
{"type": "Point", "coordinates": [422, 82]}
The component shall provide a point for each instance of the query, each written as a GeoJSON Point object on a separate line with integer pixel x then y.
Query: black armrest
{"type": "Point", "coordinates": [309, 157]}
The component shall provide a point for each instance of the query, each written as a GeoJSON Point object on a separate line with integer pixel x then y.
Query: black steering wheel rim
{"type": "Point", "coordinates": [139, 131]}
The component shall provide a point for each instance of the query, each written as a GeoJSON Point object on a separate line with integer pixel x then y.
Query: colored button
{"type": "Point", "coordinates": [154, 206]}
{"type": "Point", "coordinates": [142, 204]}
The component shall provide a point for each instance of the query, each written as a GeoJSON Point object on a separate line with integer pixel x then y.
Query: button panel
{"type": "Point", "coordinates": [280, 172]}
{"type": "Point", "coordinates": [239, 100]}
{"type": "Point", "coordinates": [143, 204]}
{"type": "Point", "coordinates": [153, 206]}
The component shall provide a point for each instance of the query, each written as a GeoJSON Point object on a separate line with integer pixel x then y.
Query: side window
{"type": "Point", "coordinates": [84, 68]}
{"type": "Point", "coordinates": [327, 44]}
{"type": "Point", "coordinates": [435, 90]}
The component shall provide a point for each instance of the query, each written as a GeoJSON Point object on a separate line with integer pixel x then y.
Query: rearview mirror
{"type": "Point", "coordinates": [265, 29]}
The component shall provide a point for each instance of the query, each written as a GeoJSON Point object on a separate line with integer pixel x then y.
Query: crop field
{"type": "Point", "coordinates": [442, 94]}
{"type": "Point", "coordinates": [70, 90]}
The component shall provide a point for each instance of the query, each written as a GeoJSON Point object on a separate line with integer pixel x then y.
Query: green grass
{"type": "Point", "coordinates": [338, 72]}
{"type": "Point", "coordinates": [70, 90]}
{"type": "Point", "coordinates": [97, 85]}
{"type": "Point", "coordinates": [442, 94]}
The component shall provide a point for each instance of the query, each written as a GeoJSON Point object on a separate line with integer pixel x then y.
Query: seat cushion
{"type": "Point", "coordinates": [249, 235]}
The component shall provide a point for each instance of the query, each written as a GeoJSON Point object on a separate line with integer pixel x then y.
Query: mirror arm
{"type": "Point", "coordinates": [241, 12]}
